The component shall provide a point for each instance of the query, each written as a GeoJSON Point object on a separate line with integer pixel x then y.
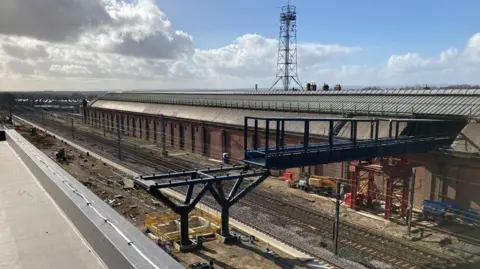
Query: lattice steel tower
{"type": "Point", "coordinates": [287, 49]}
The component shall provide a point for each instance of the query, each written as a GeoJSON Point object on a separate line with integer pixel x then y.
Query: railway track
{"type": "Point", "coordinates": [373, 244]}
{"type": "Point", "coordinates": [376, 245]}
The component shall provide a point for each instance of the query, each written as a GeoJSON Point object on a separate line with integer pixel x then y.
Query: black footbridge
{"type": "Point", "coordinates": [379, 137]}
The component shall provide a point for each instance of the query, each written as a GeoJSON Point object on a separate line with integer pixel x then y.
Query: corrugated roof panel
{"type": "Point", "coordinates": [463, 110]}
{"type": "Point", "coordinates": [448, 109]}
{"type": "Point", "coordinates": [442, 107]}
{"type": "Point", "coordinates": [430, 106]}
{"type": "Point", "coordinates": [449, 106]}
{"type": "Point", "coordinates": [433, 102]}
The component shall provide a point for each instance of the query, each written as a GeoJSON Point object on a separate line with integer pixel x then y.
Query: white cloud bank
{"type": "Point", "coordinates": [114, 44]}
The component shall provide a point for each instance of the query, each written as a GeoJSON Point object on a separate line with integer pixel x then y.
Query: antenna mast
{"type": "Point", "coordinates": [287, 49]}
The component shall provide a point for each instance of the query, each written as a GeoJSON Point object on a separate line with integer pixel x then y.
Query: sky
{"type": "Point", "coordinates": [225, 44]}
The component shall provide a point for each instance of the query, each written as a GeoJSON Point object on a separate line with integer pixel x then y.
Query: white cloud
{"type": "Point", "coordinates": [253, 56]}
{"type": "Point", "coordinates": [51, 20]}
{"type": "Point", "coordinates": [28, 52]}
{"type": "Point", "coordinates": [117, 44]}
{"type": "Point", "coordinates": [138, 28]}
{"type": "Point", "coordinates": [17, 67]}
{"type": "Point", "coordinates": [70, 69]}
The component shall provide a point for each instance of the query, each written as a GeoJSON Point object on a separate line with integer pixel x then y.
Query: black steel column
{"type": "Point", "coordinates": [377, 127]}
{"type": "Point", "coordinates": [224, 141]}
{"type": "Point", "coordinates": [245, 137]}
{"type": "Point", "coordinates": [306, 135]}
{"type": "Point", "coordinates": [183, 212]}
{"type": "Point", "coordinates": [267, 136]}
{"type": "Point", "coordinates": [410, 204]}
{"type": "Point", "coordinates": [277, 136]}
{"type": "Point", "coordinates": [337, 219]}
{"type": "Point", "coordinates": [147, 129]}
{"type": "Point", "coordinates": [119, 147]}
{"type": "Point", "coordinates": [192, 137]}
{"type": "Point", "coordinates": [172, 135]}
{"type": "Point", "coordinates": [255, 135]}
{"type": "Point", "coordinates": [354, 133]}
{"type": "Point", "coordinates": [104, 124]}
{"type": "Point", "coordinates": [282, 134]}
{"type": "Point", "coordinates": [128, 125]}
{"type": "Point", "coordinates": [397, 127]}
{"type": "Point", "coordinates": [73, 132]}
{"type": "Point", "coordinates": [226, 202]}
{"type": "Point", "coordinates": [204, 139]}
{"type": "Point", "coordinates": [352, 127]}
{"type": "Point", "coordinates": [390, 129]}
{"type": "Point", "coordinates": [162, 134]}
{"type": "Point", "coordinates": [330, 134]}
{"type": "Point", "coordinates": [371, 129]}
{"type": "Point", "coordinates": [225, 228]}
{"type": "Point", "coordinates": [85, 114]}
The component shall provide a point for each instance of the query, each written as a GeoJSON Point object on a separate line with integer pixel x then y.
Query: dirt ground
{"type": "Point", "coordinates": [115, 188]}
{"type": "Point", "coordinates": [241, 255]}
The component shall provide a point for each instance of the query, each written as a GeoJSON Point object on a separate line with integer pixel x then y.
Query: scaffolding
{"type": "Point", "coordinates": [396, 184]}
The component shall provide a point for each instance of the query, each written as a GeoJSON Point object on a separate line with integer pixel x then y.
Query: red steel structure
{"type": "Point", "coordinates": [396, 174]}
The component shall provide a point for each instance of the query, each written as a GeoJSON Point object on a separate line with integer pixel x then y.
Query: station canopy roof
{"type": "Point", "coordinates": [393, 103]}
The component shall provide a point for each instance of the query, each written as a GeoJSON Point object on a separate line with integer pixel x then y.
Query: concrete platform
{"type": "Point", "coordinates": [51, 220]}
{"type": "Point", "coordinates": [35, 233]}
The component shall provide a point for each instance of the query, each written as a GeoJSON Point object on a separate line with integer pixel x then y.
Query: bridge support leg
{"type": "Point", "coordinates": [219, 195]}
{"type": "Point", "coordinates": [227, 201]}
{"type": "Point", "coordinates": [183, 209]}
{"type": "Point", "coordinates": [354, 187]}
{"type": "Point", "coordinates": [388, 198]}
{"type": "Point", "coordinates": [225, 229]}
{"type": "Point", "coordinates": [370, 191]}
{"type": "Point", "coordinates": [404, 201]}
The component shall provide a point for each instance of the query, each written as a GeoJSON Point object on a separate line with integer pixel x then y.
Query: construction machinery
{"type": "Point", "coordinates": [317, 184]}
{"type": "Point", "coordinates": [442, 211]}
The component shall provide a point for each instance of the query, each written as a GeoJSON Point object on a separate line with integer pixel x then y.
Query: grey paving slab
{"type": "Point", "coordinates": [34, 232]}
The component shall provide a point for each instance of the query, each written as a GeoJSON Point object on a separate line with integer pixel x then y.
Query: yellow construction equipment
{"type": "Point", "coordinates": [165, 225]}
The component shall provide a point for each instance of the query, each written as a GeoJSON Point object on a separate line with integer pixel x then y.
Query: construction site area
{"type": "Point", "coordinates": [149, 215]}
{"type": "Point", "coordinates": [297, 209]}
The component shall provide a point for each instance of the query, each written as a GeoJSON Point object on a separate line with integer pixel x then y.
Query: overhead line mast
{"type": "Point", "coordinates": [287, 50]}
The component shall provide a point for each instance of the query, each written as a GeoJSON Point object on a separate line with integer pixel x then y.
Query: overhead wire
{"type": "Point", "coordinates": [170, 146]}
{"type": "Point", "coordinates": [219, 149]}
